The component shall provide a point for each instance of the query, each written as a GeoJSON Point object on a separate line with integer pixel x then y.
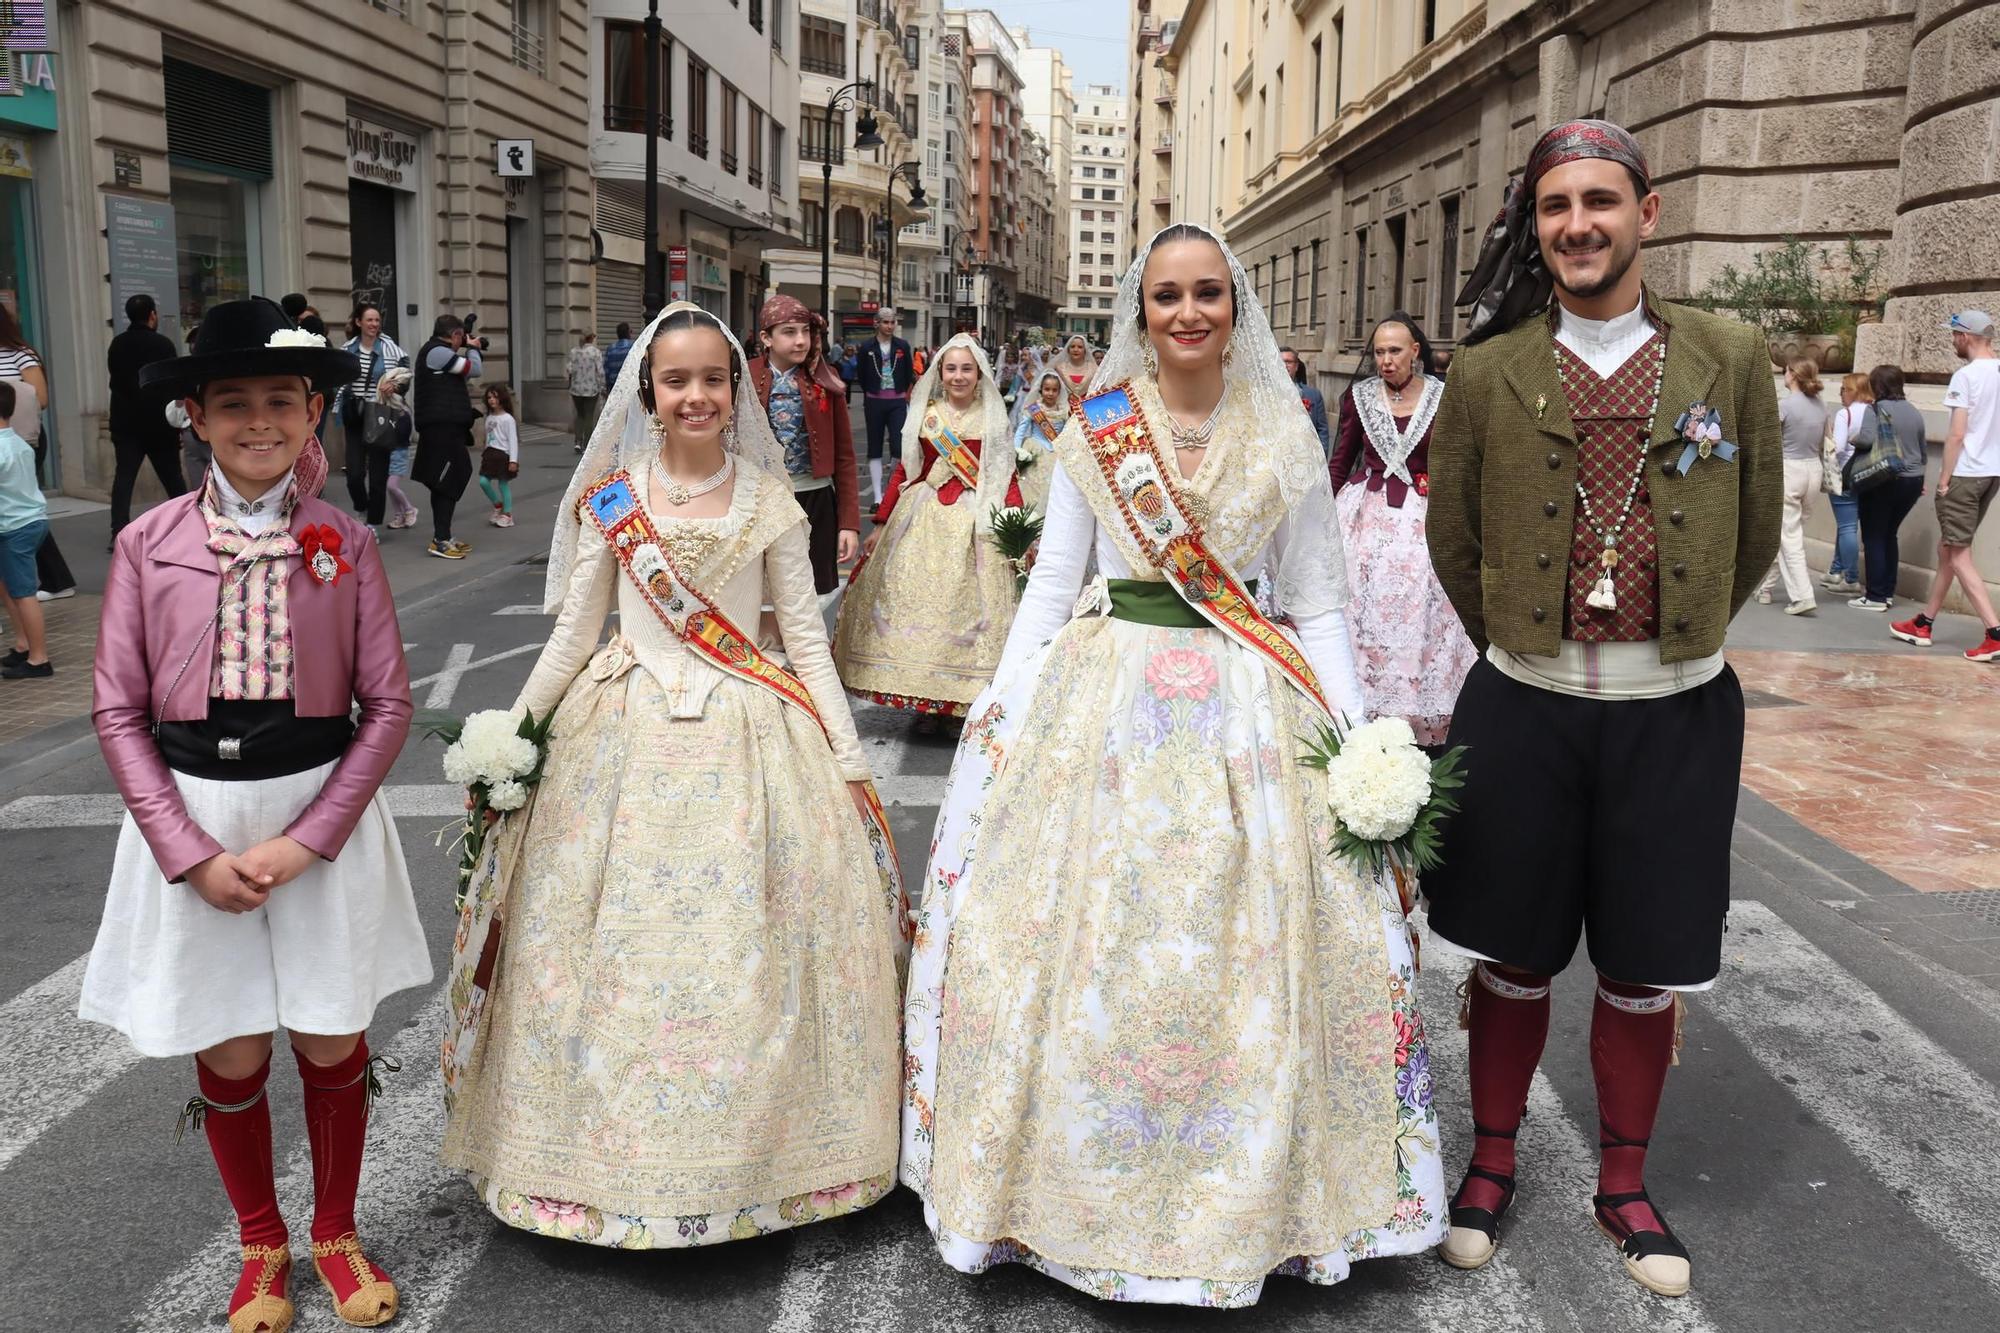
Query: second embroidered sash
{"type": "Point", "coordinates": [1171, 537]}
{"type": "Point", "coordinates": [956, 453]}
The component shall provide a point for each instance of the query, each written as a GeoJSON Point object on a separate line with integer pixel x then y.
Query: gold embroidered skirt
{"type": "Point", "coordinates": [924, 620]}
{"type": "Point", "coordinates": [692, 1023]}
{"type": "Point", "coordinates": [1158, 1045]}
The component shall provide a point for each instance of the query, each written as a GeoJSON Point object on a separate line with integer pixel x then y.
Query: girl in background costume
{"type": "Point", "coordinates": [1158, 1044]}
{"type": "Point", "coordinates": [926, 614]}
{"type": "Point", "coordinates": [259, 882]}
{"type": "Point", "coordinates": [1077, 366]}
{"type": "Point", "coordinates": [674, 993]}
{"type": "Point", "coordinates": [1411, 650]}
{"type": "Point", "coordinates": [1041, 425]}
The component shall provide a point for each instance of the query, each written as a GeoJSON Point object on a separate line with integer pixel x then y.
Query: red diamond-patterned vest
{"type": "Point", "coordinates": [1614, 418]}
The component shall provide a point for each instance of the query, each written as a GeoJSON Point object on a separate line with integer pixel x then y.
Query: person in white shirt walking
{"type": "Point", "coordinates": [1967, 483]}
{"type": "Point", "coordinates": [500, 461]}
{"type": "Point", "coordinates": [586, 386]}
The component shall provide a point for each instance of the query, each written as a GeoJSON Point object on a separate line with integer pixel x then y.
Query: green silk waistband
{"type": "Point", "coordinates": [1145, 603]}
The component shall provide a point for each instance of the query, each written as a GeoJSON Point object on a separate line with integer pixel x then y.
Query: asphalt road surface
{"type": "Point", "coordinates": [1828, 1148]}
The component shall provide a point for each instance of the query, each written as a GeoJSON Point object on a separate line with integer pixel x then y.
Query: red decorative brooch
{"type": "Point", "coordinates": [320, 545]}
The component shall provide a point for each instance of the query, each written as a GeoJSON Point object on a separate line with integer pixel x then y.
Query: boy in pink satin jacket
{"type": "Point", "coordinates": [258, 882]}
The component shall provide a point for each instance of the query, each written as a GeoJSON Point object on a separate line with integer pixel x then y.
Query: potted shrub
{"type": "Point", "coordinates": [1805, 304]}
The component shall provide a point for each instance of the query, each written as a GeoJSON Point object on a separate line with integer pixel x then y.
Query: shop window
{"type": "Point", "coordinates": [219, 168]}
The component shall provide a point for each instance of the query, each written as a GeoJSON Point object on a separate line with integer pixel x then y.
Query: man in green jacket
{"type": "Point", "coordinates": [1604, 495]}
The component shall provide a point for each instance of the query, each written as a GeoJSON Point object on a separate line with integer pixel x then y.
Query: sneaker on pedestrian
{"type": "Point", "coordinates": [504, 521]}
{"type": "Point", "coordinates": [44, 595]}
{"type": "Point", "coordinates": [1988, 648]}
{"type": "Point", "coordinates": [1834, 579]}
{"type": "Point", "coordinates": [1763, 599]}
{"type": "Point", "coordinates": [1804, 608]}
{"type": "Point", "coordinates": [26, 670]}
{"type": "Point", "coordinates": [446, 550]}
{"type": "Point", "coordinates": [1916, 630]}
{"type": "Point", "coordinates": [14, 657]}
{"type": "Point", "coordinates": [1867, 604]}
{"type": "Point", "coordinates": [463, 548]}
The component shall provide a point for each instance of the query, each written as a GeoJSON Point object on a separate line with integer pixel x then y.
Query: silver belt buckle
{"type": "Point", "coordinates": [229, 747]}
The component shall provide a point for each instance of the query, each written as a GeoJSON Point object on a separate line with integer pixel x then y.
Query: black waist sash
{"type": "Point", "coordinates": [249, 740]}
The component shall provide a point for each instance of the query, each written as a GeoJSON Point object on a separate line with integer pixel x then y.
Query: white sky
{"type": "Point", "coordinates": [1091, 36]}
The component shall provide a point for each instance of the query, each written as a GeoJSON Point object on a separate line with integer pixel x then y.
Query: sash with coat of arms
{"type": "Point", "coordinates": [1171, 536]}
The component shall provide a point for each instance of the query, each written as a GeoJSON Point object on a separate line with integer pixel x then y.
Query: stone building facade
{"type": "Point", "coordinates": [228, 150]}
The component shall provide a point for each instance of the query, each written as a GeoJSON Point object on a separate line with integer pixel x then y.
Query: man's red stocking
{"type": "Point", "coordinates": [1509, 1022]}
{"type": "Point", "coordinates": [337, 1101]}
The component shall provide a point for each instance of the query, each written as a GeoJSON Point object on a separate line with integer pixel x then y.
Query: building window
{"type": "Point", "coordinates": [1089, 193]}
{"type": "Point", "coordinates": [625, 81]}
{"type": "Point", "coordinates": [1090, 173]}
{"type": "Point", "coordinates": [1277, 132]}
{"type": "Point", "coordinates": [757, 14]}
{"type": "Point", "coordinates": [1358, 276]}
{"type": "Point", "coordinates": [1105, 280]}
{"type": "Point", "coordinates": [756, 139]}
{"type": "Point", "coordinates": [936, 103]}
{"type": "Point", "coordinates": [913, 52]}
{"type": "Point", "coordinates": [1317, 56]}
{"type": "Point", "coordinates": [950, 146]}
{"type": "Point", "coordinates": [822, 46]}
{"type": "Point", "coordinates": [849, 230]}
{"type": "Point", "coordinates": [697, 106]}
{"type": "Point", "coordinates": [1447, 313]}
{"type": "Point", "coordinates": [531, 40]}
{"type": "Point", "coordinates": [1312, 315]}
{"type": "Point", "coordinates": [1106, 259]}
{"type": "Point", "coordinates": [814, 225]}
{"type": "Point", "coordinates": [1110, 196]}
{"type": "Point", "coordinates": [729, 118]}
{"type": "Point", "coordinates": [821, 138]}
{"type": "Point", "coordinates": [1294, 321]}
{"type": "Point", "coordinates": [1430, 21]}
{"type": "Point", "coordinates": [1106, 237]}
{"type": "Point", "coordinates": [1089, 215]}
{"type": "Point", "coordinates": [950, 89]}
{"type": "Point", "coordinates": [911, 121]}
{"type": "Point", "coordinates": [777, 25]}
{"type": "Point", "coordinates": [1396, 234]}
{"type": "Point", "coordinates": [1339, 56]}
{"type": "Point", "coordinates": [777, 158]}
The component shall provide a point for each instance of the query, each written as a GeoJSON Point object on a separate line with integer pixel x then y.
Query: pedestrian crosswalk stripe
{"type": "Point", "coordinates": [1872, 1077]}
{"type": "Point", "coordinates": [55, 1061]}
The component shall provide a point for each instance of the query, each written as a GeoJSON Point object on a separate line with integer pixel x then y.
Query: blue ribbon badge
{"type": "Point", "coordinates": [1701, 427]}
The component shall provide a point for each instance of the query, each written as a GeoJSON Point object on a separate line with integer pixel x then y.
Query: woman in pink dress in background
{"type": "Point", "coordinates": [1411, 651]}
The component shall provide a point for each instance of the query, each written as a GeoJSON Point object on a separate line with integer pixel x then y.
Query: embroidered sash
{"type": "Point", "coordinates": [1170, 536]}
{"type": "Point", "coordinates": [1051, 430]}
{"type": "Point", "coordinates": [1379, 424]}
{"type": "Point", "coordinates": [955, 452]}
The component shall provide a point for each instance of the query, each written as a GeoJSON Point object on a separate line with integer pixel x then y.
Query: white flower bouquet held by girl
{"type": "Point", "coordinates": [497, 757]}
{"type": "Point", "coordinates": [1389, 798]}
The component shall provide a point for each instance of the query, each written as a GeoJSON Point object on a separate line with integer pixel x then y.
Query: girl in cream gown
{"type": "Point", "coordinates": [927, 611]}
{"type": "Point", "coordinates": [689, 1034]}
{"type": "Point", "coordinates": [1158, 1044]}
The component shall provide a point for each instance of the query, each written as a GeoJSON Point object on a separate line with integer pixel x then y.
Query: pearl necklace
{"type": "Point", "coordinates": [678, 494]}
{"type": "Point", "coordinates": [1195, 437]}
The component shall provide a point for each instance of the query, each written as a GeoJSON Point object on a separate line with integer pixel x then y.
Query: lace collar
{"type": "Point", "coordinates": [1394, 446]}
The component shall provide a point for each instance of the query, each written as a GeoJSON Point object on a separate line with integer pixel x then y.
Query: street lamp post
{"type": "Point", "coordinates": [909, 173]}
{"type": "Point", "coordinates": [843, 99]}
{"type": "Point", "coordinates": [656, 296]}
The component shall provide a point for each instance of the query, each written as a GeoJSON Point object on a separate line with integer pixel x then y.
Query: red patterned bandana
{"type": "Point", "coordinates": [1575, 140]}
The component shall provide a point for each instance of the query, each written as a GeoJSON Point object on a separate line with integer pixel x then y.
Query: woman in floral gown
{"type": "Point", "coordinates": [927, 611]}
{"type": "Point", "coordinates": [1158, 1044]}
{"type": "Point", "coordinates": [688, 1033]}
{"type": "Point", "coordinates": [1408, 643]}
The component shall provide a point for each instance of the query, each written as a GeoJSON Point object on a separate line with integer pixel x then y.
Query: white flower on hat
{"type": "Point", "coordinates": [295, 338]}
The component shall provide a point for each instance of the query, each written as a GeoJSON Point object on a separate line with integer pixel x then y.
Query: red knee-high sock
{"type": "Point", "coordinates": [1631, 1045]}
{"type": "Point", "coordinates": [1509, 1022]}
{"type": "Point", "coordinates": [336, 1126]}
{"type": "Point", "coordinates": [237, 1121]}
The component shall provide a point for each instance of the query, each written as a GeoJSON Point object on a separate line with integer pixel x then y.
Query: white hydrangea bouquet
{"type": "Point", "coordinates": [1389, 798]}
{"type": "Point", "coordinates": [497, 756]}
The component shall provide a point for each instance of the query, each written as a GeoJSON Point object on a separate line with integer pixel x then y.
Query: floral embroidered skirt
{"type": "Point", "coordinates": [690, 1034]}
{"type": "Point", "coordinates": [924, 620]}
{"type": "Point", "coordinates": [1158, 1045]}
{"type": "Point", "coordinates": [1410, 647]}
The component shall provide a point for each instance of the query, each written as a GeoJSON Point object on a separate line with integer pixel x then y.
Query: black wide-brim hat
{"type": "Point", "coordinates": [234, 342]}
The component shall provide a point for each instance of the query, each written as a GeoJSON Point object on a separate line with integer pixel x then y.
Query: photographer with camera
{"type": "Point", "coordinates": [443, 412]}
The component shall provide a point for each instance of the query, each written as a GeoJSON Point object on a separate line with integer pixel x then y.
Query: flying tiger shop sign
{"type": "Point", "coordinates": [380, 155]}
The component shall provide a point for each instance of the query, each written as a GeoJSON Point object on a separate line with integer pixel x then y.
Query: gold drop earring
{"type": "Point", "coordinates": [656, 430]}
{"type": "Point", "coordinates": [1150, 358]}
